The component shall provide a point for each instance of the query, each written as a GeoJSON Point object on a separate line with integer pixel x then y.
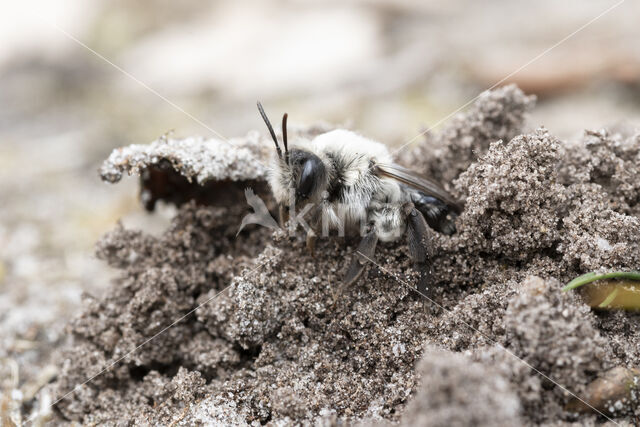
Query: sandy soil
{"type": "Point", "coordinates": [280, 346]}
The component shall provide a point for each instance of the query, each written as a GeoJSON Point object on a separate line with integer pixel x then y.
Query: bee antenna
{"type": "Point", "coordinates": [268, 123]}
{"type": "Point", "coordinates": [284, 137]}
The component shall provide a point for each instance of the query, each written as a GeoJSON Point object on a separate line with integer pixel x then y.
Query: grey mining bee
{"type": "Point", "coordinates": [354, 186]}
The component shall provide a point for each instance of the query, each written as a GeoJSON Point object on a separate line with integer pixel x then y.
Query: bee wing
{"type": "Point", "coordinates": [422, 184]}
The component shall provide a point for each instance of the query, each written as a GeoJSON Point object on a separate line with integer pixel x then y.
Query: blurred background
{"type": "Point", "coordinates": [78, 79]}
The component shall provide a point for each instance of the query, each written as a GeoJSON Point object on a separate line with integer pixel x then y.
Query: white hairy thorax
{"type": "Point", "coordinates": [364, 197]}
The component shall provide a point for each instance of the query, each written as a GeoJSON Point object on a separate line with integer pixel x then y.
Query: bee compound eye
{"type": "Point", "coordinates": [307, 178]}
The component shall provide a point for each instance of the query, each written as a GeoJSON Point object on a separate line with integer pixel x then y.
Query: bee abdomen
{"type": "Point", "coordinates": [436, 212]}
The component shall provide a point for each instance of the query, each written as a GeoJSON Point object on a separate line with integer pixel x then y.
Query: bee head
{"type": "Point", "coordinates": [308, 174]}
{"type": "Point", "coordinates": [299, 168]}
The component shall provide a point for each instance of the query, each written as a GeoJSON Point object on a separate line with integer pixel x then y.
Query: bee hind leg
{"type": "Point", "coordinates": [364, 254]}
{"type": "Point", "coordinates": [418, 237]}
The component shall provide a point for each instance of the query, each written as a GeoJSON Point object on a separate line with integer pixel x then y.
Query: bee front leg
{"type": "Point", "coordinates": [419, 242]}
{"type": "Point", "coordinates": [311, 242]}
{"type": "Point", "coordinates": [366, 249]}
{"type": "Point", "coordinates": [283, 215]}
{"type": "Point", "coordinates": [312, 237]}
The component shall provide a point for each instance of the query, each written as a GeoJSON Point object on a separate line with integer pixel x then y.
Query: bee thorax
{"type": "Point", "coordinates": [389, 223]}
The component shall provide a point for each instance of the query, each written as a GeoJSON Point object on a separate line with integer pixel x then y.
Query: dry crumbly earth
{"type": "Point", "coordinates": [274, 341]}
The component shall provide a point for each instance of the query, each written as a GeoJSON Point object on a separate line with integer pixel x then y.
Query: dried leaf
{"type": "Point", "coordinates": [614, 392]}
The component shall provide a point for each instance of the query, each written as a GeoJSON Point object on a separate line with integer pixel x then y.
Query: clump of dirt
{"type": "Point", "coordinates": [457, 391]}
{"type": "Point", "coordinates": [280, 322]}
{"type": "Point", "coordinates": [197, 159]}
{"type": "Point", "coordinates": [496, 115]}
{"type": "Point", "coordinates": [554, 332]}
{"type": "Point", "coordinates": [207, 327]}
{"type": "Point", "coordinates": [608, 158]}
{"type": "Point", "coordinates": [513, 198]}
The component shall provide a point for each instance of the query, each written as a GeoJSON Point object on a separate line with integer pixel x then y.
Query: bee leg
{"type": "Point", "coordinates": [366, 249]}
{"type": "Point", "coordinates": [311, 242]}
{"type": "Point", "coordinates": [283, 215]}
{"type": "Point", "coordinates": [419, 246]}
{"type": "Point", "coordinates": [312, 237]}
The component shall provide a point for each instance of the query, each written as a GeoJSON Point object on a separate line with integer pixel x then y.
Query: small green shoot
{"type": "Point", "coordinates": [618, 289]}
{"type": "Point", "coordinates": [593, 276]}
{"type": "Point", "coordinates": [609, 299]}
